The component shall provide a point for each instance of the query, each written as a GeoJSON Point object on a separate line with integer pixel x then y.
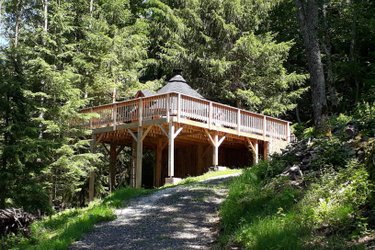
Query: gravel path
{"type": "Point", "coordinates": [182, 217]}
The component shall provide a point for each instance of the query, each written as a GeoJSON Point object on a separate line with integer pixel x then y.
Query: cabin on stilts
{"type": "Point", "coordinates": [186, 132]}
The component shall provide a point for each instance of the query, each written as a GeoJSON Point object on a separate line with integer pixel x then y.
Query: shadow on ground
{"type": "Point", "coordinates": [183, 217]}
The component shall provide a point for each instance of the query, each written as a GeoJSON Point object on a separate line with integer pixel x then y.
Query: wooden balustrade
{"type": "Point", "coordinates": [187, 107]}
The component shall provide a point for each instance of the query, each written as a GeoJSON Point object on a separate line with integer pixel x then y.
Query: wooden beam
{"type": "Point", "coordinates": [120, 149]}
{"type": "Point", "coordinates": [146, 132]}
{"type": "Point", "coordinates": [100, 137]}
{"type": "Point", "coordinates": [221, 140]}
{"type": "Point", "coordinates": [171, 150]}
{"type": "Point", "coordinates": [210, 137]}
{"type": "Point", "coordinates": [265, 150]}
{"type": "Point", "coordinates": [177, 133]}
{"type": "Point", "coordinates": [159, 155]}
{"type": "Point", "coordinates": [216, 142]}
{"type": "Point", "coordinates": [132, 134]}
{"type": "Point", "coordinates": [163, 130]}
{"type": "Point", "coordinates": [138, 182]}
{"type": "Point", "coordinates": [133, 163]}
{"type": "Point", "coordinates": [216, 150]}
{"type": "Point", "coordinates": [254, 150]}
{"type": "Point", "coordinates": [256, 146]}
{"type": "Point", "coordinates": [105, 147]}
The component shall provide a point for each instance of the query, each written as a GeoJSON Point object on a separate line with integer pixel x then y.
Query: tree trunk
{"type": "Point", "coordinates": [17, 24]}
{"type": "Point", "coordinates": [91, 7]}
{"type": "Point", "coordinates": [45, 30]}
{"type": "Point", "coordinates": [307, 14]}
{"type": "Point", "coordinates": [45, 6]}
{"type": "Point", "coordinates": [326, 45]}
{"type": "Point", "coordinates": [353, 48]}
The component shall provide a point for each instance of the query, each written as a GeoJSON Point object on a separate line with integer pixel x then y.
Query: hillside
{"type": "Point", "coordinates": [318, 194]}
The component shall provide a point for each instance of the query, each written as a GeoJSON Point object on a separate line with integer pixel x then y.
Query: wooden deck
{"type": "Point", "coordinates": [188, 110]}
{"type": "Point", "coordinates": [165, 119]}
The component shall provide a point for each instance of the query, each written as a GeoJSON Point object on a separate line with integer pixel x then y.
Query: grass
{"type": "Point", "coordinates": [59, 231]}
{"type": "Point", "coordinates": [264, 211]}
{"type": "Point", "coordinates": [257, 217]}
{"type": "Point", "coordinates": [62, 229]}
{"type": "Point", "coordinates": [206, 176]}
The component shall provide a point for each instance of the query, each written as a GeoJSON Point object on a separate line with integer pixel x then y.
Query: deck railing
{"type": "Point", "coordinates": [187, 107]}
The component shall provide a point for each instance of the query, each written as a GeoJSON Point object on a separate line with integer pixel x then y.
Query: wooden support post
{"type": "Point", "coordinates": [172, 134]}
{"type": "Point", "coordinates": [216, 151]}
{"type": "Point", "coordinates": [288, 132]}
{"type": "Point", "coordinates": [112, 166]}
{"type": "Point", "coordinates": [133, 163]}
{"type": "Point", "coordinates": [92, 173]}
{"type": "Point", "coordinates": [159, 154]}
{"type": "Point", "coordinates": [254, 150]}
{"type": "Point", "coordinates": [265, 150]}
{"type": "Point", "coordinates": [171, 150]}
{"type": "Point", "coordinates": [138, 182]}
{"type": "Point", "coordinates": [216, 142]}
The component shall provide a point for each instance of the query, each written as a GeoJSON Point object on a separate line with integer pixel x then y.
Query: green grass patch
{"type": "Point", "coordinates": [206, 176]}
{"type": "Point", "coordinates": [265, 211]}
{"type": "Point", "coordinates": [258, 216]}
{"type": "Point", "coordinates": [62, 229]}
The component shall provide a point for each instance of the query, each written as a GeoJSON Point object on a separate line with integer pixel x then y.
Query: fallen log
{"type": "Point", "coordinates": [14, 220]}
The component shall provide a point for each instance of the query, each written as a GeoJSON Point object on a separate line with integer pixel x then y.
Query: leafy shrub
{"type": "Point", "coordinates": [364, 116]}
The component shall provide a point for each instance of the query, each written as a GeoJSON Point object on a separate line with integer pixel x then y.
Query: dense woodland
{"type": "Point", "coordinates": [302, 60]}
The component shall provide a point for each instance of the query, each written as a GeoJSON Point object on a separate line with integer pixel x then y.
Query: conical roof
{"type": "Point", "coordinates": [178, 84]}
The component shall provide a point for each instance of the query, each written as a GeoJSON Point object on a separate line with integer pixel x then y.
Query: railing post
{"type": "Point", "coordinates": [178, 107]}
{"type": "Point", "coordinates": [140, 114]}
{"type": "Point", "coordinates": [264, 126]}
{"type": "Point", "coordinates": [91, 118]}
{"type": "Point", "coordinates": [238, 121]}
{"type": "Point", "coordinates": [288, 132]}
{"type": "Point", "coordinates": [210, 115]}
{"type": "Point", "coordinates": [114, 116]}
{"type": "Point", "coordinates": [168, 108]}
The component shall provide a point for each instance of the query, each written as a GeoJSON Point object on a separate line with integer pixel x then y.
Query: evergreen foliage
{"type": "Point", "coordinates": [57, 57]}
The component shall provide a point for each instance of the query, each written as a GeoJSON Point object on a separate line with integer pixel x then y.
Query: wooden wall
{"type": "Point", "coordinates": [195, 159]}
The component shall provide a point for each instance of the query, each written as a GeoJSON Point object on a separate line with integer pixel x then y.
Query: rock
{"type": "Point", "coordinates": [350, 131]}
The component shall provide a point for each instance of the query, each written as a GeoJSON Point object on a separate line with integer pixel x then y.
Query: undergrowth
{"type": "Point", "coordinates": [62, 229]}
{"type": "Point", "coordinates": [330, 207]}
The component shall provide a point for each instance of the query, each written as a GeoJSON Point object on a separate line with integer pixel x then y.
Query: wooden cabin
{"type": "Point", "coordinates": [187, 133]}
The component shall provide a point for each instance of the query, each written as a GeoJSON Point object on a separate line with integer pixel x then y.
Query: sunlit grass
{"type": "Point", "coordinates": [59, 231]}
{"type": "Point", "coordinates": [62, 229]}
{"type": "Point", "coordinates": [204, 177]}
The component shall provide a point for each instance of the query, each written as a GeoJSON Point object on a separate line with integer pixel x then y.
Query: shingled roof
{"type": "Point", "coordinates": [178, 84]}
{"type": "Point", "coordinates": [144, 93]}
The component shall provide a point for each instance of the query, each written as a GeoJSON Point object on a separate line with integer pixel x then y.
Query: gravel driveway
{"type": "Point", "coordinates": [182, 217]}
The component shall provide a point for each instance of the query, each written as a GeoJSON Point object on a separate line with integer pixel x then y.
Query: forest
{"type": "Point", "coordinates": [307, 61]}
